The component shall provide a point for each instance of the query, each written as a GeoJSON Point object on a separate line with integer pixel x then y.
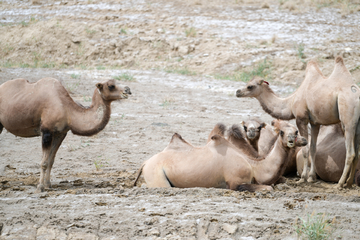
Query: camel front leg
{"type": "Point", "coordinates": [350, 155]}
{"type": "Point", "coordinates": [56, 142]}
{"type": "Point", "coordinates": [314, 135]}
{"type": "Point", "coordinates": [302, 126]}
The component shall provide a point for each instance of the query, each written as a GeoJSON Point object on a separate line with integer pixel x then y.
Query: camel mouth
{"type": "Point", "coordinates": [251, 136]}
{"type": "Point", "coordinates": [291, 144]}
{"type": "Point", "coordinates": [238, 93]}
{"type": "Point", "coordinates": [124, 96]}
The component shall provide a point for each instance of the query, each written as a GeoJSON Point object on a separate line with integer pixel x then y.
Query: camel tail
{"type": "Point", "coordinates": [253, 187]}
{"type": "Point", "coordinates": [139, 174]}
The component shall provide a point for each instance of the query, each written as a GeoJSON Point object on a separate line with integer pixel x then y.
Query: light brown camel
{"type": "Point", "coordinates": [330, 154]}
{"type": "Point", "coordinates": [318, 101]}
{"type": "Point", "coordinates": [267, 138]}
{"type": "Point", "coordinates": [252, 128]}
{"type": "Point", "coordinates": [45, 109]}
{"type": "Point", "coordinates": [217, 164]}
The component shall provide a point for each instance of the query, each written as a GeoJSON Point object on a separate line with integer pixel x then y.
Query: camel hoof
{"type": "Point", "coordinates": [339, 186]}
{"type": "Point", "coordinates": [40, 188]}
{"type": "Point", "coordinates": [348, 185]}
{"type": "Point", "coordinates": [311, 179]}
{"type": "Point", "coordinates": [302, 180]}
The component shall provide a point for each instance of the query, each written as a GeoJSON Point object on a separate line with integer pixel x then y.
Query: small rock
{"type": "Point", "coordinates": [155, 232]}
{"type": "Point", "coordinates": [183, 50]}
{"type": "Point", "coordinates": [231, 229]}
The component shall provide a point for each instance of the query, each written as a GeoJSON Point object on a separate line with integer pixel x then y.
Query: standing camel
{"type": "Point", "coordinates": [45, 109]}
{"type": "Point", "coordinates": [318, 101]}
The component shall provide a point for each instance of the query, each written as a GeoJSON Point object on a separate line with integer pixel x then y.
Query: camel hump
{"type": "Point", "coordinates": [235, 132]}
{"type": "Point", "coordinates": [220, 128]}
{"type": "Point", "coordinates": [178, 143]}
{"type": "Point", "coordinates": [340, 67]}
{"type": "Point", "coordinates": [313, 69]}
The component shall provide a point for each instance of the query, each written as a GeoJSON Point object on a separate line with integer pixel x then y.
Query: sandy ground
{"type": "Point", "coordinates": [92, 195]}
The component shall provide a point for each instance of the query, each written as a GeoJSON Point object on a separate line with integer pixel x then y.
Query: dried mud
{"type": "Point", "coordinates": [92, 195]}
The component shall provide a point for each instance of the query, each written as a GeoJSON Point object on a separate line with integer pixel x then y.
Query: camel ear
{"type": "Point", "coordinates": [261, 81]}
{"type": "Point", "coordinates": [242, 123]}
{"type": "Point", "coordinates": [276, 130]}
{"type": "Point", "coordinates": [263, 125]}
{"type": "Point", "coordinates": [99, 86]}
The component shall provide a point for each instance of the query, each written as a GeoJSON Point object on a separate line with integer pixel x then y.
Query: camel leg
{"type": "Point", "coordinates": [302, 126]}
{"type": "Point", "coordinates": [350, 155]}
{"type": "Point", "coordinates": [57, 140]}
{"type": "Point", "coordinates": [47, 138]}
{"type": "Point", "coordinates": [350, 179]}
{"type": "Point", "coordinates": [314, 135]}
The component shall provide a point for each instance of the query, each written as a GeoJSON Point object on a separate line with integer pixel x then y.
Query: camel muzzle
{"type": "Point", "coordinates": [238, 93]}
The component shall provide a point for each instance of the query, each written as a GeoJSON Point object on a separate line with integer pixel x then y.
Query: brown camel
{"type": "Point", "coordinates": [318, 101]}
{"type": "Point", "coordinates": [217, 164]}
{"type": "Point", "coordinates": [45, 109]}
{"type": "Point", "coordinates": [330, 154]}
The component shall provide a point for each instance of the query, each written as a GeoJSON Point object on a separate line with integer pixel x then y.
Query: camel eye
{"type": "Point", "coordinates": [250, 87]}
{"type": "Point", "coordinates": [281, 133]}
{"type": "Point", "coordinates": [111, 87]}
{"type": "Point", "coordinates": [245, 128]}
{"type": "Point", "coordinates": [296, 133]}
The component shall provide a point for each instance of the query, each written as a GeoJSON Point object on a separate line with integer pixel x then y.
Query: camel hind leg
{"type": "Point", "coordinates": [50, 144]}
{"type": "Point", "coordinates": [155, 176]}
{"type": "Point", "coordinates": [350, 179]}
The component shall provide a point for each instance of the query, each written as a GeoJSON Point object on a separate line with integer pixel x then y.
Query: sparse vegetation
{"type": "Point", "coordinates": [182, 71]}
{"type": "Point", "coordinates": [100, 67]}
{"type": "Point", "coordinates": [72, 87]}
{"type": "Point", "coordinates": [90, 31]}
{"type": "Point", "coordinates": [191, 32]}
{"type": "Point", "coordinates": [123, 31]}
{"type": "Point", "coordinates": [125, 77]}
{"type": "Point", "coordinates": [99, 164]}
{"type": "Point", "coordinates": [299, 48]}
{"type": "Point", "coordinates": [315, 227]}
{"type": "Point", "coordinates": [87, 99]}
{"type": "Point", "coordinates": [167, 102]}
{"type": "Point", "coordinates": [75, 76]}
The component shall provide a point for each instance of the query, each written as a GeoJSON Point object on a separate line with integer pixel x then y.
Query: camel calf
{"type": "Point", "coordinates": [45, 109]}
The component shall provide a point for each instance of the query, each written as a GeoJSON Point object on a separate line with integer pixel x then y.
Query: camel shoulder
{"type": "Point", "coordinates": [177, 143]}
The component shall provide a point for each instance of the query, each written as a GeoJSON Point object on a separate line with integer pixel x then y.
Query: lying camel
{"type": "Point", "coordinates": [318, 101]}
{"type": "Point", "coordinates": [330, 154]}
{"type": "Point", "coordinates": [266, 140]}
{"type": "Point", "coordinates": [218, 164]}
{"type": "Point", "coordinates": [46, 109]}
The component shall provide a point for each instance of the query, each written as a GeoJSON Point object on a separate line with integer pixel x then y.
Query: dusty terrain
{"type": "Point", "coordinates": [180, 84]}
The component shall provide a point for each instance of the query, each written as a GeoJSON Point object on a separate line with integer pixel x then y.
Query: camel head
{"type": "Point", "coordinates": [289, 134]}
{"type": "Point", "coordinates": [253, 88]}
{"type": "Point", "coordinates": [252, 128]}
{"type": "Point", "coordinates": [110, 91]}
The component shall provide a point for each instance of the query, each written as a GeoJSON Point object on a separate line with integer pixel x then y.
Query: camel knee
{"type": "Point", "coordinates": [44, 165]}
{"type": "Point", "coordinates": [350, 158]}
{"type": "Point", "coordinates": [46, 139]}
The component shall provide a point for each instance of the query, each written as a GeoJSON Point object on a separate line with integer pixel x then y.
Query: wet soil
{"type": "Point", "coordinates": [92, 196]}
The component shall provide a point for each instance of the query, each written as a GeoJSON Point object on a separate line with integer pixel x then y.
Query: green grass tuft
{"type": "Point", "coordinates": [315, 227]}
{"type": "Point", "coordinates": [125, 77]}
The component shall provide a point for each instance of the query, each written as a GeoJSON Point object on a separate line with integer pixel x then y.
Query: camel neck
{"type": "Point", "coordinates": [271, 168]}
{"type": "Point", "coordinates": [277, 107]}
{"type": "Point", "coordinates": [89, 121]}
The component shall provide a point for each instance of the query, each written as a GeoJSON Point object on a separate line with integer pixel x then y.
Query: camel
{"type": "Point", "coordinates": [330, 154]}
{"type": "Point", "coordinates": [357, 178]}
{"type": "Point", "coordinates": [45, 109]}
{"type": "Point", "coordinates": [218, 164]}
{"type": "Point", "coordinates": [252, 128]}
{"type": "Point", "coordinates": [318, 101]}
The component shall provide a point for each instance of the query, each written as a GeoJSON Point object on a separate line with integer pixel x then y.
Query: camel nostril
{"type": "Point", "coordinates": [238, 93]}
{"type": "Point", "coordinates": [127, 90]}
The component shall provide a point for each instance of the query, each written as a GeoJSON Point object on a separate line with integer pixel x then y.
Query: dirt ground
{"type": "Point", "coordinates": [180, 84]}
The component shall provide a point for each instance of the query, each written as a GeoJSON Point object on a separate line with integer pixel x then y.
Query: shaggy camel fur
{"type": "Point", "coordinates": [318, 101]}
{"type": "Point", "coordinates": [218, 164]}
{"type": "Point", "coordinates": [330, 154]}
{"type": "Point", "coordinates": [45, 109]}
